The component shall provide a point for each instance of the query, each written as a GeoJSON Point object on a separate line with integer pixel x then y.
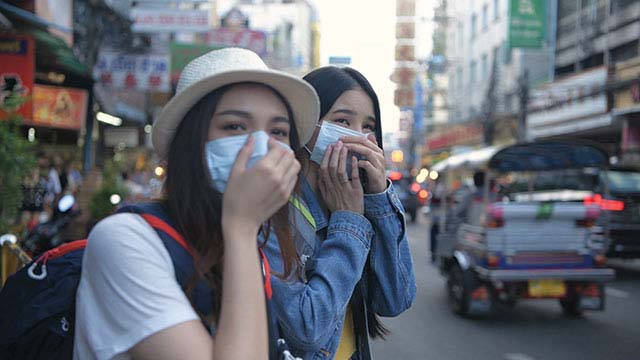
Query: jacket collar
{"type": "Point", "coordinates": [313, 204]}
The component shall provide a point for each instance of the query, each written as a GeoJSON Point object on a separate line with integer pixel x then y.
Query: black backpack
{"type": "Point", "coordinates": [37, 303]}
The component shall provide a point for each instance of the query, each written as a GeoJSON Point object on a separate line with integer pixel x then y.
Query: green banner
{"type": "Point", "coordinates": [527, 23]}
{"type": "Point", "coordinates": [181, 54]}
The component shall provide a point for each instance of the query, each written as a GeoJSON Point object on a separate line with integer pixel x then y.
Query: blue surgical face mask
{"type": "Point", "coordinates": [220, 155]}
{"type": "Point", "coordinates": [330, 134]}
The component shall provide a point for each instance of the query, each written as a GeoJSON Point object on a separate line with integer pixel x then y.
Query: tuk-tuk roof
{"type": "Point", "coordinates": [471, 159]}
{"type": "Point", "coordinates": [549, 155]}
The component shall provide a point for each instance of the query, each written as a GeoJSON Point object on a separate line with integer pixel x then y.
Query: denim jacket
{"type": "Point", "coordinates": [311, 312]}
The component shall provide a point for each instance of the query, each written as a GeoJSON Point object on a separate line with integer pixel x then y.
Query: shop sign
{"type": "Point", "coordinates": [133, 72]}
{"type": "Point", "coordinates": [127, 136]}
{"type": "Point", "coordinates": [569, 105]}
{"type": "Point", "coordinates": [405, 53]}
{"type": "Point", "coordinates": [160, 20]}
{"type": "Point", "coordinates": [255, 41]}
{"type": "Point", "coordinates": [182, 54]}
{"type": "Point", "coordinates": [527, 22]}
{"type": "Point", "coordinates": [404, 76]}
{"type": "Point", "coordinates": [405, 30]}
{"type": "Point", "coordinates": [59, 107]}
{"type": "Point", "coordinates": [16, 75]}
{"type": "Point", "coordinates": [455, 135]}
{"type": "Point", "coordinates": [404, 98]}
{"type": "Point", "coordinates": [405, 7]}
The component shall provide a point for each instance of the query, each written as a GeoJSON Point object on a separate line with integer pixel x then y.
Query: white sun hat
{"type": "Point", "coordinates": [222, 67]}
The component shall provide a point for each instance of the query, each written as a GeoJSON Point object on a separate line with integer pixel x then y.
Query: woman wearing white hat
{"type": "Point", "coordinates": [227, 137]}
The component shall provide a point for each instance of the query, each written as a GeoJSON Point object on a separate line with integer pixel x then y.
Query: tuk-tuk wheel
{"type": "Point", "coordinates": [571, 307]}
{"type": "Point", "coordinates": [459, 285]}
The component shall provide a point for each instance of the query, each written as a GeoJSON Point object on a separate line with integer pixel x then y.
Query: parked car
{"type": "Point", "coordinates": [622, 211]}
{"type": "Point", "coordinates": [412, 195]}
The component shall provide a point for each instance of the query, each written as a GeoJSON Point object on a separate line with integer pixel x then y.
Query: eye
{"type": "Point", "coordinates": [280, 133]}
{"type": "Point", "coordinates": [234, 127]}
{"type": "Point", "coordinates": [342, 121]}
{"type": "Point", "coordinates": [369, 128]}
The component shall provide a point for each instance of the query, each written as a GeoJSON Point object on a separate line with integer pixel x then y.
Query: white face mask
{"type": "Point", "coordinates": [330, 134]}
{"type": "Point", "coordinates": [220, 155]}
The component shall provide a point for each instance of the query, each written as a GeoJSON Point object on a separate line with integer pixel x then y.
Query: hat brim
{"type": "Point", "coordinates": [301, 97]}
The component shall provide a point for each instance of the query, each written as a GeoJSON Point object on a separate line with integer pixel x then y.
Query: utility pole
{"type": "Point", "coordinates": [524, 100]}
{"type": "Point", "coordinates": [489, 104]}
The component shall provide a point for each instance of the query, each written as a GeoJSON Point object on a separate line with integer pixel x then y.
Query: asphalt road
{"type": "Point", "coordinates": [532, 330]}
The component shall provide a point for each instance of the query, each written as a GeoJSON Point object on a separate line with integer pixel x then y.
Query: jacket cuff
{"type": "Point", "coordinates": [352, 224]}
{"type": "Point", "coordinates": [382, 204]}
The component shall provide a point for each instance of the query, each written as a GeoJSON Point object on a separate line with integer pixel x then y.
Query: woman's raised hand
{"type": "Point", "coordinates": [338, 192]}
{"type": "Point", "coordinates": [254, 194]}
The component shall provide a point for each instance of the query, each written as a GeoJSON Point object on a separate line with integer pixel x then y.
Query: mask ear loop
{"type": "Point", "coordinates": [307, 147]}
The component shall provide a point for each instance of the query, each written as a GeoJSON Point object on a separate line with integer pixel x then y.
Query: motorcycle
{"type": "Point", "coordinates": [48, 235]}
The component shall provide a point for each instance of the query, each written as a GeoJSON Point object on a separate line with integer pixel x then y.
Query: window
{"type": "Point", "coordinates": [485, 16]}
{"type": "Point", "coordinates": [496, 9]}
{"type": "Point", "coordinates": [624, 52]}
{"type": "Point", "coordinates": [453, 82]}
{"type": "Point", "coordinates": [474, 20]}
{"type": "Point", "coordinates": [472, 72]}
{"type": "Point", "coordinates": [484, 70]}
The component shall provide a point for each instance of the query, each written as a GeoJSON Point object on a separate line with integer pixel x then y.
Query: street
{"type": "Point", "coordinates": [531, 330]}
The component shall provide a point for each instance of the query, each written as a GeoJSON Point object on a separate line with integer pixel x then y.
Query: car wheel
{"type": "Point", "coordinates": [571, 307]}
{"type": "Point", "coordinates": [459, 287]}
{"type": "Point", "coordinates": [412, 215]}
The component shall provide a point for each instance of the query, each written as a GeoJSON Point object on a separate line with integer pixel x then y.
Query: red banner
{"type": "Point", "coordinates": [455, 135]}
{"type": "Point", "coordinates": [16, 75]}
{"type": "Point", "coordinates": [59, 107]}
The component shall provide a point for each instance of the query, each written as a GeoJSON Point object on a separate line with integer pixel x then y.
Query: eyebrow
{"type": "Point", "coordinates": [345, 111]}
{"type": "Point", "coordinates": [248, 116]}
{"type": "Point", "coordinates": [238, 113]}
{"type": "Point", "coordinates": [351, 112]}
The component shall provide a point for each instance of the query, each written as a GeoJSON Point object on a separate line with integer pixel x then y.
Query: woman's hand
{"type": "Point", "coordinates": [374, 163]}
{"type": "Point", "coordinates": [253, 195]}
{"type": "Point", "coordinates": [338, 192]}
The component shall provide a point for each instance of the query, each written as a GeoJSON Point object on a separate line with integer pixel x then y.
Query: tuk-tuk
{"type": "Point", "coordinates": [501, 248]}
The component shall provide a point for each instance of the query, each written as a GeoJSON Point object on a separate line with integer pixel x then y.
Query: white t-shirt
{"type": "Point", "coordinates": [128, 290]}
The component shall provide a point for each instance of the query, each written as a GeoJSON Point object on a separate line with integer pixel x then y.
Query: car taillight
{"type": "Point", "coordinates": [415, 187]}
{"type": "Point", "coordinates": [586, 223]}
{"type": "Point", "coordinates": [604, 204]}
{"type": "Point", "coordinates": [493, 260]}
{"type": "Point", "coordinates": [600, 260]}
{"type": "Point", "coordinates": [423, 194]}
{"type": "Point", "coordinates": [395, 175]}
{"type": "Point", "coordinates": [496, 216]}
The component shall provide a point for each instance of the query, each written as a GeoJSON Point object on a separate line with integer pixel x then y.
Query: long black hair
{"type": "Point", "coordinates": [330, 83]}
{"type": "Point", "coordinates": [196, 207]}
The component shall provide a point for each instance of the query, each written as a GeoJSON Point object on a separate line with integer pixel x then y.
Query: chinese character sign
{"type": "Point", "coordinates": [160, 20]}
{"type": "Point", "coordinates": [16, 75]}
{"type": "Point", "coordinates": [255, 41]}
{"type": "Point", "coordinates": [133, 72]}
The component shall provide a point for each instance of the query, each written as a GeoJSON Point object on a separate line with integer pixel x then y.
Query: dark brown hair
{"type": "Point", "coordinates": [196, 207]}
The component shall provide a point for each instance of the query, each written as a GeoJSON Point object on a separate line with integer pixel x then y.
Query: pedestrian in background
{"type": "Point", "coordinates": [352, 234]}
{"type": "Point", "coordinates": [227, 137]}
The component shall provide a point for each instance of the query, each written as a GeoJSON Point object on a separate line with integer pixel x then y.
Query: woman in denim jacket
{"type": "Point", "coordinates": [351, 230]}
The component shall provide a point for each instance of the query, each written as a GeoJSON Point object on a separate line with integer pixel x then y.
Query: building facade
{"type": "Point", "coordinates": [478, 36]}
{"type": "Point", "coordinates": [596, 68]}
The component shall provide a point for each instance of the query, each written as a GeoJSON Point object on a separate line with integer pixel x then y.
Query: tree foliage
{"type": "Point", "coordinates": [16, 162]}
